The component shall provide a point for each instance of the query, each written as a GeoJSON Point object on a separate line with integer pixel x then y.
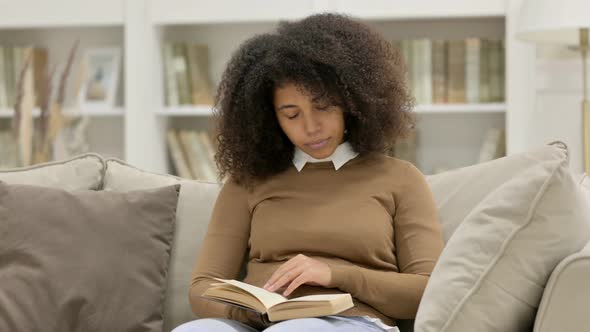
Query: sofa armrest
{"type": "Point", "coordinates": [564, 306]}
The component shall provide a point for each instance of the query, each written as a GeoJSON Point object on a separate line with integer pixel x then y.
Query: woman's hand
{"type": "Point", "coordinates": [297, 271]}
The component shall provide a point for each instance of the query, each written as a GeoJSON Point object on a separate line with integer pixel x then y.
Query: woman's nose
{"type": "Point", "coordinates": [311, 124]}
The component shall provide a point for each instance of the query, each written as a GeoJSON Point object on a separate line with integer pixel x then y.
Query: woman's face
{"type": "Point", "coordinates": [314, 128]}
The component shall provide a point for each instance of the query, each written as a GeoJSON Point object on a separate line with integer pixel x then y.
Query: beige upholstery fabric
{"type": "Point", "coordinates": [82, 172]}
{"type": "Point", "coordinates": [457, 192]}
{"type": "Point", "coordinates": [564, 306]}
{"type": "Point", "coordinates": [194, 210]}
{"type": "Point", "coordinates": [508, 224]}
{"type": "Point", "coordinates": [567, 293]}
{"type": "Point", "coordinates": [84, 260]}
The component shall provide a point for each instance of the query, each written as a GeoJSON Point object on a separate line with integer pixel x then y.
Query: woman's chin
{"type": "Point", "coordinates": [321, 154]}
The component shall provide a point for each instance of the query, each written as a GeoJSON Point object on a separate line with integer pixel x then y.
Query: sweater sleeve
{"type": "Point", "coordinates": [418, 243]}
{"type": "Point", "coordinates": [222, 252]}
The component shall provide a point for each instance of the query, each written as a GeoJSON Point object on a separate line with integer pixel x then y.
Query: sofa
{"type": "Point", "coordinates": [462, 294]}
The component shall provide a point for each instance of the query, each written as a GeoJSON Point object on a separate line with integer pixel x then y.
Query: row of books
{"type": "Point", "coordinates": [492, 147]}
{"type": "Point", "coordinates": [12, 60]}
{"type": "Point", "coordinates": [468, 70]}
{"type": "Point", "coordinates": [192, 153]}
{"type": "Point", "coordinates": [186, 74]}
{"type": "Point", "coordinates": [406, 148]}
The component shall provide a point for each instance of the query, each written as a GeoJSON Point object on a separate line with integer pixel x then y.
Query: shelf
{"type": "Point", "coordinates": [208, 12]}
{"type": "Point", "coordinates": [204, 110]}
{"type": "Point", "coordinates": [412, 9]}
{"type": "Point", "coordinates": [187, 110]}
{"type": "Point", "coordinates": [461, 108]}
{"type": "Point", "coordinates": [60, 13]}
{"type": "Point", "coordinates": [112, 112]}
{"type": "Point", "coordinates": [98, 112]}
{"type": "Point", "coordinates": [449, 131]}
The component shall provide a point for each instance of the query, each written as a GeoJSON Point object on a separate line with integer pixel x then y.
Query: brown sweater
{"type": "Point", "coordinates": [374, 222]}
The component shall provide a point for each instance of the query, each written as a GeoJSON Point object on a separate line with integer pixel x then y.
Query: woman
{"type": "Point", "coordinates": [312, 203]}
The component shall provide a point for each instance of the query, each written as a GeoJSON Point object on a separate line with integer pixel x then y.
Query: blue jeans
{"type": "Point", "coordinates": [319, 324]}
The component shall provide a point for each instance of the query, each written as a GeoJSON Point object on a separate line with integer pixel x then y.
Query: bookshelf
{"type": "Point", "coordinates": [55, 26]}
{"type": "Point", "coordinates": [205, 110]}
{"type": "Point", "coordinates": [442, 109]}
{"type": "Point", "coordinates": [135, 130]}
{"type": "Point", "coordinates": [8, 113]}
{"type": "Point", "coordinates": [186, 110]}
{"type": "Point", "coordinates": [29, 14]}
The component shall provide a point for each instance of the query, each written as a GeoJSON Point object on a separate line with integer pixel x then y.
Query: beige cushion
{"type": "Point", "coordinates": [457, 192]}
{"type": "Point", "coordinates": [492, 271]}
{"type": "Point", "coordinates": [84, 260]}
{"type": "Point", "coordinates": [82, 172]}
{"type": "Point", "coordinates": [564, 306]}
{"type": "Point", "coordinates": [565, 299]}
{"type": "Point", "coordinates": [585, 184]}
{"type": "Point", "coordinates": [194, 210]}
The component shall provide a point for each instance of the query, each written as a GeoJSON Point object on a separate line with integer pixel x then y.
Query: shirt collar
{"type": "Point", "coordinates": [343, 153]}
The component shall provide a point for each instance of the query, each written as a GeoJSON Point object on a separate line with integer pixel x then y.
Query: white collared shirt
{"type": "Point", "coordinates": [343, 153]}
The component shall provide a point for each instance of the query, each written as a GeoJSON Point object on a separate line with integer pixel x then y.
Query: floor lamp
{"type": "Point", "coordinates": [566, 22]}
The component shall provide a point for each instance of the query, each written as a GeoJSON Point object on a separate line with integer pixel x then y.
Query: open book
{"type": "Point", "coordinates": [275, 306]}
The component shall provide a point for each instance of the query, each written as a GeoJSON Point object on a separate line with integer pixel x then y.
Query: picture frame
{"type": "Point", "coordinates": [101, 78]}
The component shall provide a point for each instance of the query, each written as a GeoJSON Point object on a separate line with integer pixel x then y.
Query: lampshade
{"type": "Point", "coordinates": [555, 21]}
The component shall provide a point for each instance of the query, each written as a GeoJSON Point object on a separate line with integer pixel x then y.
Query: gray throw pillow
{"type": "Point", "coordinates": [90, 261]}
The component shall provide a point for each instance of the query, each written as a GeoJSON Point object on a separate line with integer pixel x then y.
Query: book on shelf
{"type": "Point", "coordinates": [12, 60]}
{"type": "Point", "coordinates": [180, 66]}
{"type": "Point", "coordinates": [422, 70]}
{"type": "Point", "coordinates": [406, 148]}
{"type": "Point", "coordinates": [496, 67]}
{"type": "Point", "coordinates": [176, 153]}
{"type": "Point", "coordinates": [209, 147]}
{"type": "Point", "coordinates": [275, 307]}
{"type": "Point", "coordinates": [469, 70]}
{"type": "Point", "coordinates": [170, 88]}
{"type": "Point", "coordinates": [472, 67]}
{"type": "Point", "coordinates": [198, 63]}
{"type": "Point", "coordinates": [186, 74]}
{"type": "Point", "coordinates": [456, 76]}
{"type": "Point", "coordinates": [192, 154]}
{"type": "Point", "coordinates": [493, 146]}
{"type": "Point", "coordinates": [190, 159]}
{"type": "Point", "coordinates": [439, 71]}
{"type": "Point", "coordinates": [198, 149]}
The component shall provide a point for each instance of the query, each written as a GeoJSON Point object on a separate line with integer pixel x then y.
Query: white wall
{"type": "Point", "coordinates": [557, 101]}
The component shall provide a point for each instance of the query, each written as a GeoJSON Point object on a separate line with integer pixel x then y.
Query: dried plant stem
{"type": "Point", "coordinates": [44, 104]}
{"type": "Point", "coordinates": [24, 104]}
{"type": "Point", "coordinates": [16, 120]}
{"type": "Point", "coordinates": [56, 119]}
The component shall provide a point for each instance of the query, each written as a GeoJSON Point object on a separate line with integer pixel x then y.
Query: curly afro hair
{"type": "Point", "coordinates": [337, 61]}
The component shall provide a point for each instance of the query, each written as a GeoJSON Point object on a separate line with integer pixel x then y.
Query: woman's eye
{"type": "Point", "coordinates": [292, 116]}
{"type": "Point", "coordinates": [324, 108]}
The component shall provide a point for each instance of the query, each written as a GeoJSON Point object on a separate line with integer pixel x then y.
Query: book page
{"type": "Point", "coordinates": [267, 298]}
{"type": "Point", "coordinates": [311, 306]}
{"type": "Point", "coordinates": [320, 297]}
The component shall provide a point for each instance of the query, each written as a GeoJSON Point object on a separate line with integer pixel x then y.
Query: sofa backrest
{"type": "Point", "coordinates": [91, 171]}
{"type": "Point", "coordinates": [81, 172]}
{"type": "Point", "coordinates": [195, 204]}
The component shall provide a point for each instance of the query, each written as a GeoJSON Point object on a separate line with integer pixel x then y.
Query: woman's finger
{"type": "Point", "coordinates": [300, 280]}
{"type": "Point", "coordinates": [285, 279]}
{"type": "Point", "coordinates": [287, 266]}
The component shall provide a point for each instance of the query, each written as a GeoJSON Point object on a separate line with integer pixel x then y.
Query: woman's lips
{"type": "Point", "coordinates": [319, 144]}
